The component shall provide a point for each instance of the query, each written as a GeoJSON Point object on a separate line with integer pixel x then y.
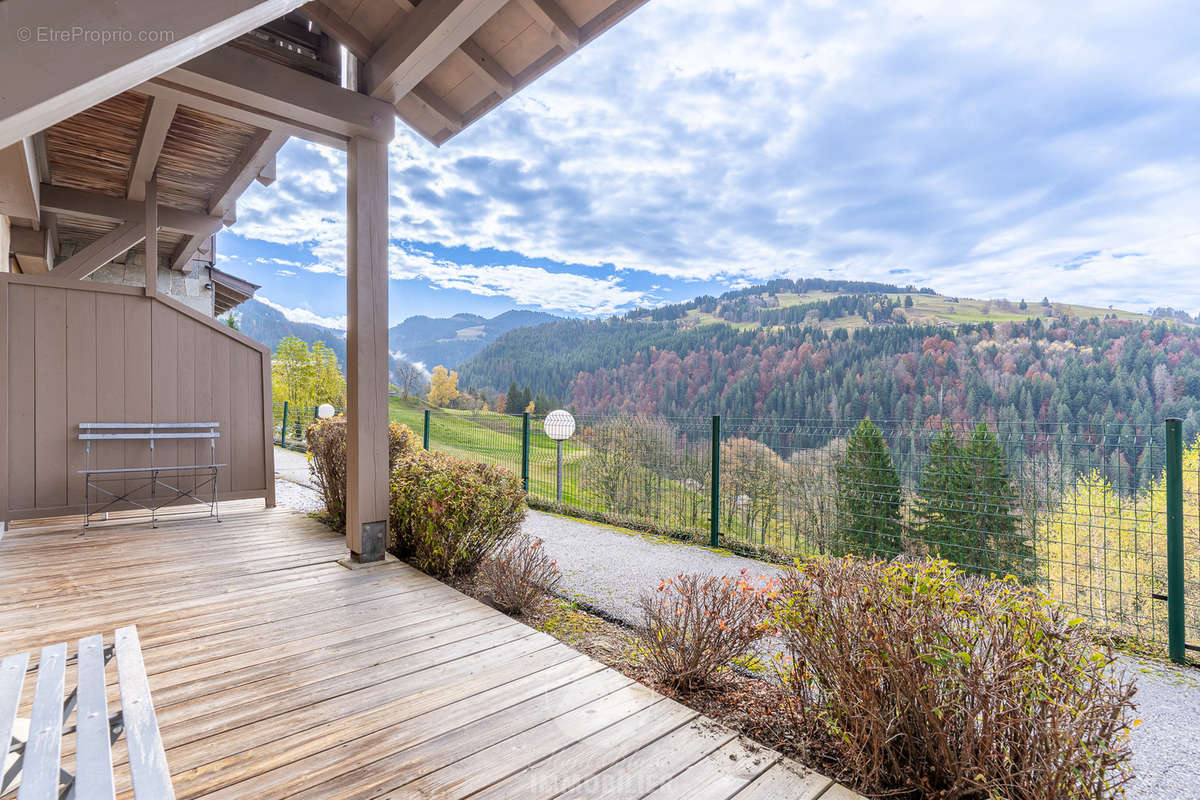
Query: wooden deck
{"type": "Point", "coordinates": [278, 673]}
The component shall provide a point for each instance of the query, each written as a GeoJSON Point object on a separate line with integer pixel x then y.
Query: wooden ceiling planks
{"type": "Point", "coordinates": [199, 151]}
{"type": "Point", "coordinates": [94, 150]}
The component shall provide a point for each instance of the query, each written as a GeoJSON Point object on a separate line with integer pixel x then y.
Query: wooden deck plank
{"type": "Point", "coordinates": [277, 673]}
{"type": "Point", "coordinates": [719, 775]}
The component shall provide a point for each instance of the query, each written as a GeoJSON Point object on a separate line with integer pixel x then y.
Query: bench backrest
{"type": "Point", "coordinates": [130, 431]}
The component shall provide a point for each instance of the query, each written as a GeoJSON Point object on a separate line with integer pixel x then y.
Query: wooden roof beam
{"type": "Point", "coordinates": [34, 249]}
{"type": "Point", "coordinates": [363, 49]}
{"type": "Point", "coordinates": [115, 209]}
{"type": "Point", "coordinates": [422, 41]}
{"type": "Point", "coordinates": [332, 23]}
{"type": "Point", "coordinates": [102, 251]}
{"type": "Point", "coordinates": [58, 79]}
{"type": "Point", "coordinates": [19, 182]}
{"type": "Point", "coordinates": [241, 86]}
{"type": "Point", "coordinates": [159, 113]}
{"type": "Point", "coordinates": [253, 160]}
{"type": "Point", "coordinates": [451, 118]}
{"type": "Point", "coordinates": [551, 18]}
{"type": "Point", "coordinates": [487, 68]}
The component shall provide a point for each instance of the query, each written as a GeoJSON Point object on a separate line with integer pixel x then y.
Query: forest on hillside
{"type": "Point", "coordinates": [1119, 377]}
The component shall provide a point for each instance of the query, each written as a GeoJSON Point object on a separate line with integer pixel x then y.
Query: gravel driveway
{"type": "Point", "coordinates": [606, 569]}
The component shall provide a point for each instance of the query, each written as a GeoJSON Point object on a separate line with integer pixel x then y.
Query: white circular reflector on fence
{"type": "Point", "coordinates": [559, 425]}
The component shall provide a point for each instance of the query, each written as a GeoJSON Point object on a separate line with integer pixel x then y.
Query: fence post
{"type": "Point", "coordinates": [1176, 635]}
{"type": "Point", "coordinates": [425, 437]}
{"type": "Point", "coordinates": [714, 523]}
{"type": "Point", "coordinates": [525, 450]}
{"type": "Point", "coordinates": [283, 427]}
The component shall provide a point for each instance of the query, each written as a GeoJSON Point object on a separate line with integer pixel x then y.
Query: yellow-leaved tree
{"type": "Point", "coordinates": [443, 387]}
{"type": "Point", "coordinates": [1103, 554]}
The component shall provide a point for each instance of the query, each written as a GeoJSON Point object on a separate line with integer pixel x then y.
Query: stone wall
{"type": "Point", "coordinates": [188, 288]}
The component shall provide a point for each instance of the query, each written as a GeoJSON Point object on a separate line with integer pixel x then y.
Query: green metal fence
{"type": "Point", "coordinates": [1079, 511]}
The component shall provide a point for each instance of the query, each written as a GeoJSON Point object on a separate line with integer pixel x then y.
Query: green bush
{"type": "Point", "coordinates": [448, 514]}
{"type": "Point", "coordinates": [326, 441]}
{"type": "Point", "coordinates": [913, 680]}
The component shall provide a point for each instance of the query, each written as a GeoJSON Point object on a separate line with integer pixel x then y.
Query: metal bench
{"type": "Point", "coordinates": [37, 769]}
{"type": "Point", "coordinates": [151, 476]}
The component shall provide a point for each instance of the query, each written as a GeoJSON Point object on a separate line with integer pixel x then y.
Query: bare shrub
{"type": "Point", "coordinates": [519, 575]}
{"type": "Point", "coordinates": [326, 442]}
{"type": "Point", "coordinates": [918, 682]}
{"type": "Point", "coordinates": [694, 625]}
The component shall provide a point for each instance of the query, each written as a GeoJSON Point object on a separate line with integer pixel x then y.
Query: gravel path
{"type": "Point", "coordinates": [607, 568]}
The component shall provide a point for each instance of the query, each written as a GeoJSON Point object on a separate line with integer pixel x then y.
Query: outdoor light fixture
{"type": "Point", "coordinates": [325, 411]}
{"type": "Point", "coordinates": [559, 426]}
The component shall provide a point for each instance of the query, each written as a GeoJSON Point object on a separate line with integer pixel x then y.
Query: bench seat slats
{"type": "Point", "coordinates": [12, 677]}
{"type": "Point", "coordinates": [147, 759]}
{"type": "Point", "coordinates": [148, 469]}
{"type": "Point", "coordinates": [134, 436]}
{"type": "Point", "coordinates": [93, 751]}
{"type": "Point", "coordinates": [44, 748]}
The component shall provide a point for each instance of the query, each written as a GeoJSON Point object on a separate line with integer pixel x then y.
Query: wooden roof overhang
{"type": "Point", "coordinates": [229, 290]}
{"type": "Point", "coordinates": [207, 124]}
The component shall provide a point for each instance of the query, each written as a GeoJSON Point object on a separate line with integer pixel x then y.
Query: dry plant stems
{"type": "Point", "coordinates": [694, 625]}
{"type": "Point", "coordinates": [918, 682]}
{"type": "Point", "coordinates": [448, 513]}
{"type": "Point", "coordinates": [519, 575]}
{"type": "Point", "coordinates": [326, 442]}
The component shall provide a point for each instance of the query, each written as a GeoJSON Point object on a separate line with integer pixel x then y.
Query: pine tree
{"type": "Point", "coordinates": [939, 514]}
{"type": "Point", "coordinates": [868, 496]}
{"type": "Point", "coordinates": [512, 401]}
{"type": "Point", "coordinates": [989, 506]}
{"type": "Point", "coordinates": [527, 399]}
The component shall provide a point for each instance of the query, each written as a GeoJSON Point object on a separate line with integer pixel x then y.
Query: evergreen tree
{"type": "Point", "coordinates": [989, 507]}
{"type": "Point", "coordinates": [513, 404]}
{"type": "Point", "coordinates": [868, 496]}
{"type": "Point", "coordinates": [526, 399]}
{"type": "Point", "coordinates": [908, 301]}
{"type": "Point", "coordinates": [940, 517]}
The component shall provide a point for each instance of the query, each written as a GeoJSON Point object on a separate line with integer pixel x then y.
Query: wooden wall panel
{"type": "Point", "coordinates": [82, 383]}
{"type": "Point", "coordinates": [50, 397]}
{"type": "Point", "coordinates": [110, 377]}
{"type": "Point", "coordinates": [84, 353]}
{"type": "Point", "coordinates": [22, 453]}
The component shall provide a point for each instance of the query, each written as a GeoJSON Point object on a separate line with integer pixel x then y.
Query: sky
{"type": "Point", "coordinates": [985, 149]}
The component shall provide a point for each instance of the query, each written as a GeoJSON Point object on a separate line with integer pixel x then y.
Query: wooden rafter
{"type": "Point", "coordinates": [159, 113]}
{"type": "Point", "coordinates": [101, 251]}
{"type": "Point", "coordinates": [338, 28]}
{"type": "Point", "coordinates": [114, 209]}
{"type": "Point", "coordinates": [551, 17]}
{"type": "Point", "coordinates": [452, 119]}
{"type": "Point", "coordinates": [257, 155]}
{"type": "Point", "coordinates": [423, 40]}
{"type": "Point", "coordinates": [59, 79]}
{"type": "Point", "coordinates": [241, 86]}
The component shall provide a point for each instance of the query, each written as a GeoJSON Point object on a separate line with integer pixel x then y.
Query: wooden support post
{"type": "Point", "coordinates": [151, 238]}
{"type": "Point", "coordinates": [367, 464]}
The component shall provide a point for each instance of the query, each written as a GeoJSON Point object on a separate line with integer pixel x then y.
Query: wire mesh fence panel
{"type": "Point", "coordinates": [290, 421]}
{"type": "Point", "coordinates": [649, 471]}
{"type": "Point", "coordinates": [1078, 511]}
{"type": "Point", "coordinates": [482, 436]}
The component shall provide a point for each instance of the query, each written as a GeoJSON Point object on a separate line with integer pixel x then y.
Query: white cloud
{"type": "Point", "coordinates": [527, 286]}
{"type": "Point", "coordinates": [304, 315]}
{"type": "Point", "coordinates": [988, 148]}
